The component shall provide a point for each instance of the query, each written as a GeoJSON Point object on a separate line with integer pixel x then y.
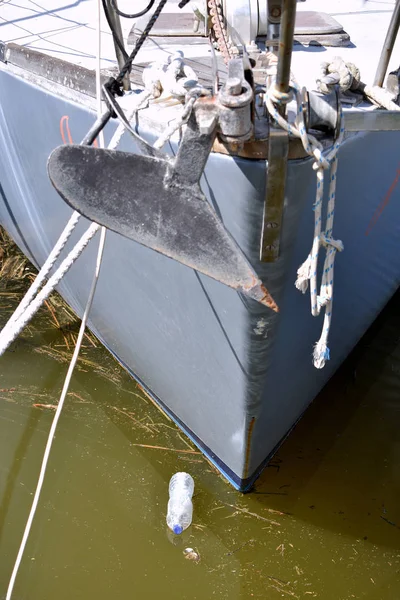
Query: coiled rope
{"type": "Point", "coordinates": [347, 77]}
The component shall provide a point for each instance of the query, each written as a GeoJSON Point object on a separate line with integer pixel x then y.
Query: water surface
{"type": "Point", "coordinates": [322, 522]}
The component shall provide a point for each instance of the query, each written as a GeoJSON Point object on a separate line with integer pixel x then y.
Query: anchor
{"type": "Point", "coordinates": [157, 201]}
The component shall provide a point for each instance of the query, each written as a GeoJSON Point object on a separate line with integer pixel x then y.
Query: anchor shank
{"type": "Point", "coordinates": [195, 146]}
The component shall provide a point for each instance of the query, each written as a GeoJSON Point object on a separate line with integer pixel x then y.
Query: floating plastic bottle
{"type": "Point", "coordinates": [180, 507]}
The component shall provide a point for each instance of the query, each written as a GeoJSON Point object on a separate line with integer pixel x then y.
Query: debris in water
{"type": "Point", "coordinates": [250, 514]}
{"type": "Point", "coordinates": [164, 448]}
{"type": "Point", "coordinates": [191, 554]}
{"type": "Point", "coordinates": [251, 542]}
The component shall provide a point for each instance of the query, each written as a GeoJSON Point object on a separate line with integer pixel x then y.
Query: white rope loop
{"type": "Point", "coordinates": [308, 271]}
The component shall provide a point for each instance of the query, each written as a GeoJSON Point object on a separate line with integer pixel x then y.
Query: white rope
{"type": "Point", "coordinates": [139, 101]}
{"type": "Point", "coordinates": [307, 272]}
{"type": "Point", "coordinates": [176, 124]}
{"type": "Point", "coordinates": [29, 304]}
{"type": "Point", "coordinates": [13, 328]}
{"type": "Point", "coordinates": [172, 77]}
{"type": "Point", "coordinates": [87, 236]}
{"type": "Point", "coordinates": [24, 316]}
{"type": "Point", "coordinates": [134, 102]}
{"type": "Point", "coordinates": [55, 420]}
{"type": "Point", "coordinates": [46, 268]}
{"type": "Point", "coordinates": [192, 95]}
{"type": "Point", "coordinates": [347, 76]}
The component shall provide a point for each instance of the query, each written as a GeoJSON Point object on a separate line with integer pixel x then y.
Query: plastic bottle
{"type": "Point", "coordinates": [180, 507]}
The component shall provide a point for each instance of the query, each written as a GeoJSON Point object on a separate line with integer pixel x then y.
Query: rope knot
{"type": "Point", "coordinates": [172, 77]}
{"type": "Point", "coordinates": [338, 72]}
{"type": "Point", "coordinates": [320, 161]}
{"type": "Point", "coordinates": [278, 97]}
{"type": "Point", "coordinates": [328, 241]}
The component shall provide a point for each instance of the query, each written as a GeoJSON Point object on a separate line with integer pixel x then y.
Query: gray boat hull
{"type": "Point", "coordinates": [234, 375]}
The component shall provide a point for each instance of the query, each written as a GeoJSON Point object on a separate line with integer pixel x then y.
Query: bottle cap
{"type": "Point", "coordinates": [177, 529]}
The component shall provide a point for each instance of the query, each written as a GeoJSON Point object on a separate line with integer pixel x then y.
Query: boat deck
{"type": "Point", "coordinates": [68, 31]}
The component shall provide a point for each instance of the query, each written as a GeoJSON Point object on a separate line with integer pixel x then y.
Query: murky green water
{"type": "Point", "coordinates": [323, 522]}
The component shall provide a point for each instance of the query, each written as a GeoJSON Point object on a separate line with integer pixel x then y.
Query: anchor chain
{"type": "Point", "coordinates": [219, 29]}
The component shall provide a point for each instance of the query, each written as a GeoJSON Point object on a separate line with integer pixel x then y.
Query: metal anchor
{"type": "Point", "coordinates": [158, 202]}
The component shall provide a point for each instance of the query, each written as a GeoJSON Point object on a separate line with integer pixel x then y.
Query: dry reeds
{"type": "Point", "coordinates": [16, 274]}
{"type": "Point", "coordinates": [55, 328]}
{"type": "Point", "coordinates": [14, 266]}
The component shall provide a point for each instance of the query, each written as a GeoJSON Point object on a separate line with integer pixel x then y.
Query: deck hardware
{"type": "Point", "coordinates": [278, 143]}
{"type": "Point", "coordinates": [388, 45]}
{"type": "Point", "coordinates": [115, 22]}
{"type": "Point", "coordinates": [274, 204]}
{"type": "Point", "coordinates": [235, 99]}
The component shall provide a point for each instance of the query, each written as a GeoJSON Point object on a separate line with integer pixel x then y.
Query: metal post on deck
{"type": "Point", "coordinates": [278, 145]}
{"type": "Point", "coordinates": [116, 23]}
{"type": "Point", "coordinates": [286, 46]}
{"type": "Point", "coordinates": [388, 46]}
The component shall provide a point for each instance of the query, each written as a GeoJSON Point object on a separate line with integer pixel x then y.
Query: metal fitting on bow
{"type": "Point", "coordinates": [234, 102]}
